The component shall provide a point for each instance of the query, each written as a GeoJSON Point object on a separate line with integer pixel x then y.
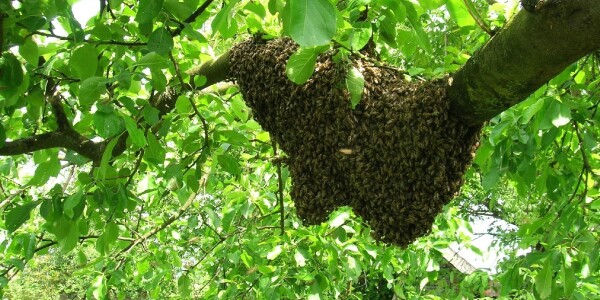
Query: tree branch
{"type": "Point", "coordinates": [55, 139]}
{"type": "Point", "coordinates": [529, 51]}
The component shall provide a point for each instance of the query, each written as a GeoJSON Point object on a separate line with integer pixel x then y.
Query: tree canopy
{"type": "Point", "coordinates": [132, 167]}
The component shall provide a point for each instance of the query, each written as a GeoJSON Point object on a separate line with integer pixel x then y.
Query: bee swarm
{"type": "Point", "coordinates": [396, 159]}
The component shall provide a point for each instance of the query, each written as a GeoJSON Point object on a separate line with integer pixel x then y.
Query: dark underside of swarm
{"type": "Point", "coordinates": [396, 159]}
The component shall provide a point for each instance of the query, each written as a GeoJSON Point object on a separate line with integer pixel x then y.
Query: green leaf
{"type": "Point", "coordinates": [557, 114]}
{"type": "Point", "coordinates": [111, 232]}
{"type": "Point", "coordinates": [15, 217]}
{"type": "Point", "coordinates": [98, 288]}
{"type": "Point", "coordinates": [71, 202]}
{"type": "Point", "coordinates": [11, 76]}
{"type": "Point", "coordinates": [235, 138]}
{"type": "Point", "coordinates": [33, 23]}
{"type": "Point", "coordinates": [107, 124]}
{"type": "Point", "coordinates": [256, 8]}
{"type": "Point", "coordinates": [160, 41]}
{"type": "Point", "coordinates": [45, 170]}
{"type": "Point", "coordinates": [360, 35]}
{"type": "Point", "coordinates": [71, 240]}
{"type": "Point", "coordinates": [184, 285]}
{"type": "Point", "coordinates": [301, 65]}
{"type": "Point", "coordinates": [84, 61]}
{"type": "Point", "coordinates": [229, 164]}
{"type": "Point", "coordinates": [29, 51]}
{"type": "Point", "coordinates": [543, 280]}
{"type": "Point", "coordinates": [148, 10]}
{"type": "Point", "coordinates": [568, 278]}
{"type": "Point", "coordinates": [224, 22]}
{"type": "Point", "coordinates": [432, 4]}
{"type": "Point", "coordinates": [311, 22]}
{"type": "Point", "coordinates": [136, 134]}
{"type": "Point", "coordinates": [240, 109]}
{"type": "Point", "coordinates": [355, 82]}
{"type": "Point", "coordinates": [387, 30]}
{"type": "Point", "coordinates": [422, 37]}
{"type": "Point", "coordinates": [150, 114]}
{"type": "Point", "coordinates": [159, 80]}
{"type": "Point", "coordinates": [154, 61]}
{"type": "Point", "coordinates": [183, 105]}
{"type": "Point", "coordinates": [91, 89]}
{"type": "Point", "coordinates": [155, 152]}
{"type": "Point", "coordinates": [562, 114]}
{"type": "Point", "coordinates": [459, 13]}
{"type": "Point", "coordinates": [106, 157]}
{"type": "Point", "coordinates": [490, 179]}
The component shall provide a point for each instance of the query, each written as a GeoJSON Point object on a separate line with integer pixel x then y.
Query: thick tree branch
{"type": "Point", "coordinates": [214, 71]}
{"type": "Point", "coordinates": [64, 137]}
{"type": "Point", "coordinates": [56, 139]}
{"type": "Point", "coordinates": [531, 49]}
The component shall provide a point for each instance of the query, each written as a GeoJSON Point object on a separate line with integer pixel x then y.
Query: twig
{"type": "Point", "coordinates": [193, 16]}
{"type": "Point", "coordinates": [168, 222]}
{"type": "Point", "coordinates": [206, 253]}
{"type": "Point", "coordinates": [477, 17]}
{"type": "Point", "coordinates": [136, 167]}
{"type": "Point", "coordinates": [586, 162]}
{"type": "Point", "coordinates": [66, 38]}
{"type": "Point", "coordinates": [12, 196]}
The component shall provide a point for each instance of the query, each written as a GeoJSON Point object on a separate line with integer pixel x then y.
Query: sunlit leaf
{"type": "Point", "coordinates": [311, 22]}
{"type": "Point", "coordinates": [459, 13]}
{"type": "Point", "coordinates": [355, 82]}
{"type": "Point", "coordinates": [84, 61]}
{"type": "Point", "coordinates": [273, 254]}
{"type": "Point", "coordinates": [91, 90]}
{"type": "Point", "coordinates": [301, 65]}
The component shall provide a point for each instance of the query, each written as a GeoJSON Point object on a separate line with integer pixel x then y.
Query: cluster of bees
{"type": "Point", "coordinates": [397, 158]}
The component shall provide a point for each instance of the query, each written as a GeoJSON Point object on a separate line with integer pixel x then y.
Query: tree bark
{"type": "Point", "coordinates": [530, 50]}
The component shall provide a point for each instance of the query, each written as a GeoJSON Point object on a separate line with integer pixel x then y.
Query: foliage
{"type": "Point", "coordinates": [195, 204]}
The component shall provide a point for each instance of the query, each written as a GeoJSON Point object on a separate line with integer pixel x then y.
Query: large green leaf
{"type": "Point", "coordinates": [543, 280]}
{"type": "Point", "coordinates": [18, 215]}
{"type": "Point", "coordinates": [84, 61]}
{"type": "Point", "coordinates": [91, 89]}
{"type": "Point", "coordinates": [459, 13]}
{"type": "Point", "coordinates": [11, 77]}
{"type": "Point", "coordinates": [229, 164]}
{"type": "Point", "coordinates": [148, 10]}
{"type": "Point", "coordinates": [29, 51]}
{"type": "Point", "coordinates": [45, 170]}
{"type": "Point", "coordinates": [310, 22]}
{"type": "Point", "coordinates": [137, 135]}
{"type": "Point", "coordinates": [422, 37]}
{"type": "Point", "coordinates": [160, 41]}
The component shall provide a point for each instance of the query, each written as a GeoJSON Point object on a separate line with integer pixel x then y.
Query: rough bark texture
{"type": "Point", "coordinates": [532, 49]}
